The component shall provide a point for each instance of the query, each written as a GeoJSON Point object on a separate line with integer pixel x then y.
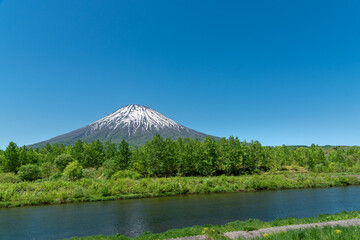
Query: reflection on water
{"type": "Point", "coordinates": [134, 216]}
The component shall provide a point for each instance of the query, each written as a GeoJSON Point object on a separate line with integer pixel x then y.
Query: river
{"type": "Point", "coordinates": [135, 216]}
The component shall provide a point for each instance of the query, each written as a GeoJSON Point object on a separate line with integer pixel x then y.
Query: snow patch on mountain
{"type": "Point", "coordinates": [135, 124]}
{"type": "Point", "coordinates": [134, 118]}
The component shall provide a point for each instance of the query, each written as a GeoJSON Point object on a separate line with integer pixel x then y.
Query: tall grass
{"type": "Point", "coordinates": [61, 191]}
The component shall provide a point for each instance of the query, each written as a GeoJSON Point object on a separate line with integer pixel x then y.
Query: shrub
{"type": "Point", "coordinates": [109, 168]}
{"type": "Point", "coordinates": [318, 168]}
{"type": "Point", "coordinates": [29, 172]}
{"type": "Point", "coordinates": [105, 192]}
{"type": "Point", "coordinates": [9, 178]}
{"type": "Point", "coordinates": [55, 176]}
{"type": "Point", "coordinates": [73, 171]}
{"type": "Point", "coordinates": [126, 174]}
{"type": "Point", "coordinates": [100, 173]}
{"type": "Point", "coordinates": [63, 160]}
{"type": "Point", "coordinates": [79, 192]}
{"type": "Point", "coordinates": [89, 173]}
{"type": "Point", "coordinates": [48, 169]}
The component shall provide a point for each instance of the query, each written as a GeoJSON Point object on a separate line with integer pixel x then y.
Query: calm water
{"type": "Point", "coordinates": [132, 217]}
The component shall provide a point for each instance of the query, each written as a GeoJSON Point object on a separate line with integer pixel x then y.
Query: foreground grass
{"type": "Point", "coordinates": [61, 191]}
{"type": "Point", "coordinates": [325, 233]}
{"type": "Point", "coordinates": [215, 231]}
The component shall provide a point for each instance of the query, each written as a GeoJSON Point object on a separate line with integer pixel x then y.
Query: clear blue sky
{"type": "Point", "coordinates": [281, 72]}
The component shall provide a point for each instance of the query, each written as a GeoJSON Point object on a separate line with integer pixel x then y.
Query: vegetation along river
{"type": "Point", "coordinates": [135, 216]}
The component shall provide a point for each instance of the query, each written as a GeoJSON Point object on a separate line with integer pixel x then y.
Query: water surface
{"type": "Point", "coordinates": [135, 216]}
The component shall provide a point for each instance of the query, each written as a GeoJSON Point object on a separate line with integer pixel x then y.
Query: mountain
{"type": "Point", "coordinates": [134, 123]}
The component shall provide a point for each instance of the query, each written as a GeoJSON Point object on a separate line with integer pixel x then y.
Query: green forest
{"type": "Point", "coordinates": [166, 158]}
{"type": "Point", "coordinates": [99, 171]}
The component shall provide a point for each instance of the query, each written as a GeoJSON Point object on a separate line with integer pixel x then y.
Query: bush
{"type": "Point", "coordinates": [109, 168]}
{"type": "Point", "coordinates": [55, 176]}
{"type": "Point", "coordinates": [48, 170]}
{"type": "Point", "coordinates": [126, 174]}
{"type": "Point", "coordinates": [9, 178]}
{"type": "Point", "coordinates": [89, 173]}
{"type": "Point", "coordinates": [29, 172]}
{"type": "Point", "coordinates": [73, 171]}
{"type": "Point", "coordinates": [79, 192]}
{"type": "Point", "coordinates": [100, 173]}
{"type": "Point", "coordinates": [63, 160]}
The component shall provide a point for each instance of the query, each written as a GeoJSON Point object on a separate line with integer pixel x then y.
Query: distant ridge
{"type": "Point", "coordinates": [134, 123]}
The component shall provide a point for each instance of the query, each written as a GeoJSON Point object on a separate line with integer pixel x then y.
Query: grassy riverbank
{"type": "Point", "coordinates": [62, 191]}
{"type": "Point", "coordinates": [325, 233]}
{"type": "Point", "coordinates": [249, 225]}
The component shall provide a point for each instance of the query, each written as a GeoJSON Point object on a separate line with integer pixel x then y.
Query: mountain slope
{"type": "Point", "coordinates": [134, 123]}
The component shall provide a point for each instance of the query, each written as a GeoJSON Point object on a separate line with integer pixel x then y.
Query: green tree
{"type": "Point", "coordinates": [63, 160]}
{"type": "Point", "coordinates": [77, 151]}
{"type": "Point", "coordinates": [316, 156]}
{"type": "Point", "coordinates": [48, 169]}
{"type": "Point", "coordinates": [256, 159]}
{"type": "Point", "coordinates": [29, 172]}
{"type": "Point", "coordinates": [302, 156]}
{"type": "Point", "coordinates": [231, 152]}
{"type": "Point", "coordinates": [168, 163]}
{"type": "Point", "coordinates": [73, 171]}
{"type": "Point", "coordinates": [32, 156]}
{"type": "Point", "coordinates": [94, 154]}
{"type": "Point", "coordinates": [186, 161]}
{"type": "Point", "coordinates": [110, 167]}
{"type": "Point", "coordinates": [209, 160]}
{"type": "Point", "coordinates": [154, 153]}
{"type": "Point", "coordinates": [139, 162]}
{"type": "Point", "coordinates": [23, 159]}
{"type": "Point", "coordinates": [123, 156]}
{"type": "Point", "coordinates": [198, 156]}
{"type": "Point", "coordinates": [11, 162]}
{"type": "Point", "coordinates": [110, 150]}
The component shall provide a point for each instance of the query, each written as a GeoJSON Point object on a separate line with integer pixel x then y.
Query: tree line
{"type": "Point", "coordinates": [183, 157]}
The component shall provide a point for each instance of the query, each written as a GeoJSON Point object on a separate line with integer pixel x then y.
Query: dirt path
{"type": "Point", "coordinates": [261, 232]}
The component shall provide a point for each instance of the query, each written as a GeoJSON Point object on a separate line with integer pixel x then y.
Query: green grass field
{"type": "Point", "coordinates": [61, 191]}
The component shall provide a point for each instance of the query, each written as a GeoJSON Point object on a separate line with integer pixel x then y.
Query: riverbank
{"type": "Point", "coordinates": [61, 191]}
{"type": "Point", "coordinates": [249, 228]}
{"type": "Point", "coordinates": [323, 233]}
{"type": "Point", "coordinates": [266, 232]}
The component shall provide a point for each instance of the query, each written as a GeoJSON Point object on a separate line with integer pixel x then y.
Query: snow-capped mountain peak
{"type": "Point", "coordinates": [134, 118]}
{"type": "Point", "coordinates": [136, 124]}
